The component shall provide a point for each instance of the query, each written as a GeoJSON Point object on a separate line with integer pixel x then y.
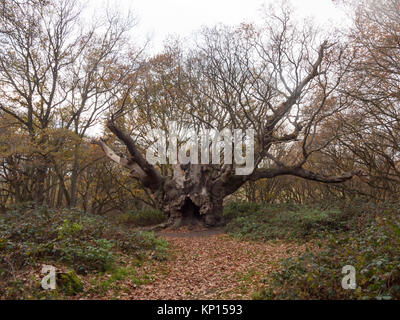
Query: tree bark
{"type": "Point", "coordinates": [188, 198]}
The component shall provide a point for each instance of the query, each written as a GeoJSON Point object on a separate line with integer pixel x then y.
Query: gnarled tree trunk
{"type": "Point", "coordinates": [188, 198]}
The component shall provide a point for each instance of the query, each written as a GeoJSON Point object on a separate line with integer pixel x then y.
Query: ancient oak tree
{"type": "Point", "coordinates": [277, 80]}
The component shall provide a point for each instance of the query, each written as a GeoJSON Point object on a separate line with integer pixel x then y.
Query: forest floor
{"type": "Point", "coordinates": [208, 264]}
{"type": "Point", "coordinates": [99, 258]}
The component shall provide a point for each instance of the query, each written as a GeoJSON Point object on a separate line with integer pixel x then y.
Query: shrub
{"type": "Point", "coordinates": [86, 243]}
{"type": "Point", "coordinates": [236, 209]}
{"type": "Point", "coordinates": [85, 256]}
{"type": "Point", "coordinates": [373, 251]}
{"type": "Point", "coordinates": [287, 221]}
{"type": "Point", "coordinates": [144, 217]}
{"type": "Point", "coordinates": [158, 246]}
{"type": "Point", "coordinates": [143, 243]}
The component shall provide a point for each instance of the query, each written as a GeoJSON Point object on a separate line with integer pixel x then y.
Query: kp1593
{"type": "Point", "coordinates": [224, 309]}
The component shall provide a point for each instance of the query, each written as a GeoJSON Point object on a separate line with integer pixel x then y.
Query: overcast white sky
{"type": "Point", "coordinates": [160, 18]}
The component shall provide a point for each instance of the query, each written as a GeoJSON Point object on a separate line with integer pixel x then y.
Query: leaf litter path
{"type": "Point", "coordinates": [210, 265]}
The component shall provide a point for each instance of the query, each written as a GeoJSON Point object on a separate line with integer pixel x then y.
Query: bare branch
{"type": "Point", "coordinates": [302, 173]}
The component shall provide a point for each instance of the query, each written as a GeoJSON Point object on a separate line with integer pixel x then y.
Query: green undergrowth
{"type": "Point", "coordinates": [69, 239]}
{"type": "Point", "coordinates": [141, 218]}
{"type": "Point", "coordinates": [368, 239]}
{"type": "Point", "coordinates": [263, 222]}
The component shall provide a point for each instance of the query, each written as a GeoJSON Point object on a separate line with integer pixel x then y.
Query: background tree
{"type": "Point", "coordinates": [57, 77]}
{"type": "Point", "coordinates": [370, 135]}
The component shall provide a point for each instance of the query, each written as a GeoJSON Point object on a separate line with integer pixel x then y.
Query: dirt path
{"type": "Point", "coordinates": [210, 265]}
